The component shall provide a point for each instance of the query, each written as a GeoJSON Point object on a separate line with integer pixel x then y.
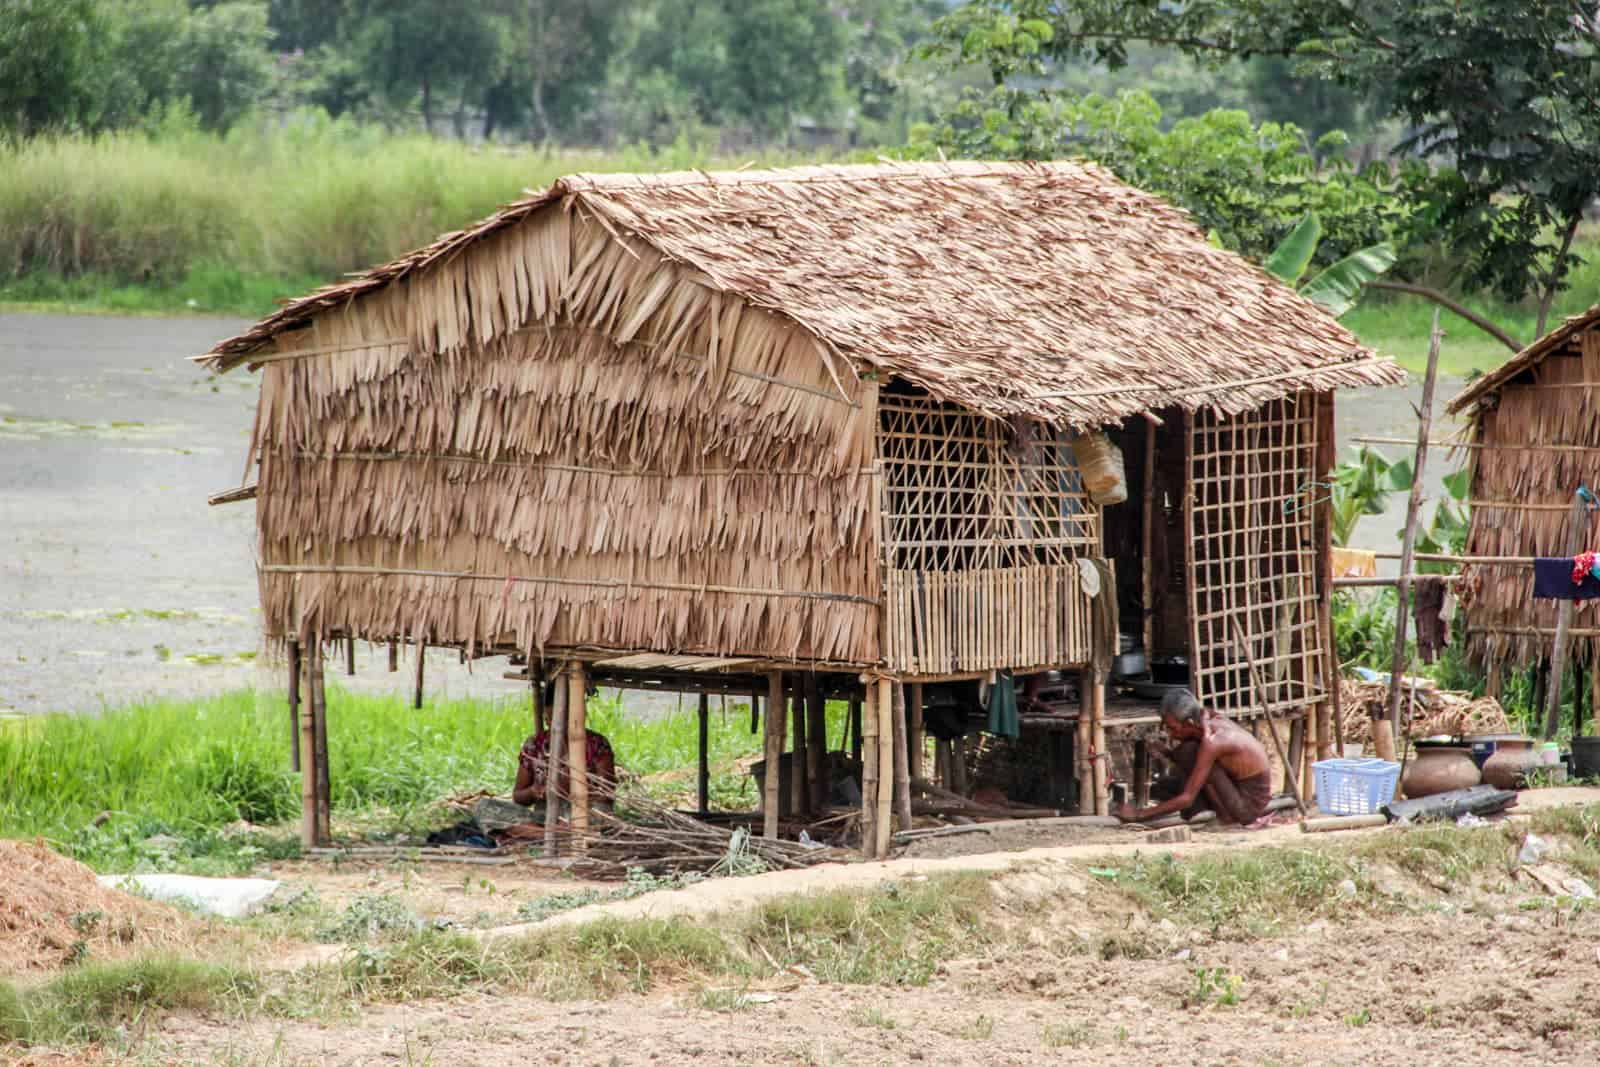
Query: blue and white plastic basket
{"type": "Point", "coordinates": [1355, 786]}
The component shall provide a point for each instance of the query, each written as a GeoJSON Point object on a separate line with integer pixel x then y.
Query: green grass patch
{"type": "Point", "coordinates": [1245, 893]}
{"type": "Point", "coordinates": [94, 1002]}
{"type": "Point", "coordinates": [100, 786]}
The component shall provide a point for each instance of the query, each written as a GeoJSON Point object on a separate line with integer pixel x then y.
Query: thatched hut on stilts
{"type": "Point", "coordinates": [809, 433]}
{"type": "Point", "coordinates": [1532, 439]}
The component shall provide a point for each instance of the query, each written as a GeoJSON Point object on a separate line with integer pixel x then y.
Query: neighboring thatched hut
{"type": "Point", "coordinates": [696, 430]}
{"type": "Point", "coordinates": [1533, 437]}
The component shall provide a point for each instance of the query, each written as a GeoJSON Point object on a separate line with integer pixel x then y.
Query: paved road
{"type": "Point", "coordinates": [118, 582]}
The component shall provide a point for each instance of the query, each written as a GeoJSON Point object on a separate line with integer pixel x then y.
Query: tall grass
{"type": "Point", "coordinates": [292, 201]}
{"type": "Point", "coordinates": [187, 768]}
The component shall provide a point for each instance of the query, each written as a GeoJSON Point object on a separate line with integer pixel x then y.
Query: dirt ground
{"type": "Point", "coordinates": [1454, 974]}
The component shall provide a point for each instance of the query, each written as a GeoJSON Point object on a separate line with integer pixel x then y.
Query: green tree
{"type": "Point", "coordinates": [47, 61]}
{"type": "Point", "coordinates": [224, 64]}
{"type": "Point", "coordinates": [422, 49]}
{"type": "Point", "coordinates": [1505, 93]}
{"type": "Point", "coordinates": [783, 60]}
{"type": "Point", "coordinates": [561, 51]}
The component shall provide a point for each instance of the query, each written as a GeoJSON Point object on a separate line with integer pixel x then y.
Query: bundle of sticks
{"type": "Point", "coordinates": [1432, 710]}
{"type": "Point", "coordinates": [660, 840]}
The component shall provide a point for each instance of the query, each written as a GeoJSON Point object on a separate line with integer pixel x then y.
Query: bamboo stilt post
{"type": "Point", "coordinates": [1260, 692]}
{"type": "Point", "coordinates": [1495, 683]}
{"type": "Point", "coordinates": [536, 685]}
{"type": "Point", "coordinates": [1082, 769]}
{"type": "Point", "coordinates": [578, 752]}
{"type": "Point", "coordinates": [1141, 773]}
{"type": "Point", "coordinates": [887, 741]}
{"type": "Point", "coordinates": [294, 706]}
{"type": "Point", "coordinates": [773, 756]}
{"type": "Point", "coordinates": [422, 649]}
{"type": "Point", "coordinates": [350, 657]}
{"type": "Point", "coordinates": [1322, 524]}
{"type": "Point", "coordinates": [958, 764]}
{"type": "Point", "coordinates": [1577, 530]}
{"type": "Point", "coordinates": [554, 757]}
{"type": "Point", "coordinates": [319, 722]}
{"type": "Point", "coordinates": [869, 779]}
{"type": "Point", "coordinates": [855, 727]}
{"type": "Point", "coordinates": [902, 758]}
{"type": "Point", "coordinates": [1102, 755]}
{"type": "Point", "coordinates": [917, 741]}
{"type": "Point", "coordinates": [1297, 747]}
{"type": "Point", "coordinates": [394, 656]}
{"type": "Point", "coordinates": [1147, 538]}
{"type": "Point", "coordinates": [755, 710]}
{"type": "Point", "coordinates": [817, 758]}
{"type": "Point", "coordinates": [308, 763]}
{"type": "Point", "coordinates": [702, 779]}
{"type": "Point", "coordinates": [799, 757]}
{"type": "Point", "coordinates": [1383, 734]}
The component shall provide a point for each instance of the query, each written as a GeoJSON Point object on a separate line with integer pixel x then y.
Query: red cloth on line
{"type": "Point", "coordinates": [1580, 566]}
{"type": "Point", "coordinates": [602, 764]}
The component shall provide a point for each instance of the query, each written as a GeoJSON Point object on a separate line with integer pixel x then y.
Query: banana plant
{"type": "Point", "coordinates": [1336, 287]}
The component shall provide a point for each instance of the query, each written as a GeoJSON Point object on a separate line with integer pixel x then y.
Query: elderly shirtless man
{"type": "Point", "coordinates": [1218, 757]}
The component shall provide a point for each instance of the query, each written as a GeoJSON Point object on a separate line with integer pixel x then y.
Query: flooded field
{"type": "Point", "coordinates": [118, 581]}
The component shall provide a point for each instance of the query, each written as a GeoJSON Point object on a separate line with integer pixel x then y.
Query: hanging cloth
{"type": "Point", "coordinates": [1003, 720]}
{"type": "Point", "coordinates": [1552, 580]}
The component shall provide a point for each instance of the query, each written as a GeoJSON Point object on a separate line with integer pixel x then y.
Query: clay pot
{"type": "Point", "coordinates": [1513, 758]}
{"type": "Point", "coordinates": [1439, 769]}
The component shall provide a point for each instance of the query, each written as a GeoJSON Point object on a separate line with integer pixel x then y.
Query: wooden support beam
{"type": "Point", "coordinates": [350, 657]}
{"type": "Point", "coordinates": [799, 760]}
{"type": "Point", "coordinates": [1577, 532]}
{"type": "Point", "coordinates": [887, 742]}
{"type": "Point", "coordinates": [1084, 743]}
{"type": "Point", "coordinates": [319, 720]}
{"type": "Point", "coordinates": [308, 761]}
{"type": "Point", "coordinates": [702, 780]}
{"type": "Point", "coordinates": [294, 706]}
{"type": "Point", "coordinates": [855, 727]}
{"type": "Point", "coordinates": [1102, 752]}
{"type": "Point", "coordinates": [555, 756]}
{"type": "Point", "coordinates": [918, 738]}
{"type": "Point", "coordinates": [817, 757]}
{"type": "Point", "coordinates": [773, 756]}
{"type": "Point", "coordinates": [902, 757]}
{"type": "Point", "coordinates": [1291, 763]}
{"type": "Point", "coordinates": [869, 777]}
{"type": "Point", "coordinates": [394, 656]}
{"type": "Point", "coordinates": [422, 650]}
{"type": "Point", "coordinates": [578, 752]}
{"type": "Point", "coordinates": [1147, 527]}
{"type": "Point", "coordinates": [1141, 773]}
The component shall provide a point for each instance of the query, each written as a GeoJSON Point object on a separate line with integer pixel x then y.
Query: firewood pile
{"type": "Point", "coordinates": [1426, 710]}
{"type": "Point", "coordinates": [646, 835]}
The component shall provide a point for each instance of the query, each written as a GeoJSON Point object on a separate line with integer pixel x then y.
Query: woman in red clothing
{"type": "Point", "coordinates": [534, 763]}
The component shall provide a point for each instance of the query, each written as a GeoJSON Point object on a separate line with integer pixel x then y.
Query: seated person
{"type": "Point", "coordinates": [1218, 758]}
{"type": "Point", "coordinates": [533, 771]}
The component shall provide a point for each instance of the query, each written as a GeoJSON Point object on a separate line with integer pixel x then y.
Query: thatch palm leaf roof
{"type": "Point", "coordinates": [1050, 290]}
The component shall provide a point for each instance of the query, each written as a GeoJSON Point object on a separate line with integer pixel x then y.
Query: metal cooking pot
{"type": "Point", "coordinates": [1129, 664]}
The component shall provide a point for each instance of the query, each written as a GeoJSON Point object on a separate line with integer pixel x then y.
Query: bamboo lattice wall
{"type": "Point", "coordinates": [982, 527]}
{"type": "Point", "coordinates": [1253, 554]}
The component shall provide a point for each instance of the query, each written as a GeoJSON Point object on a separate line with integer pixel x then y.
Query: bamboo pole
{"type": "Point", "coordinates": [1083, 769]}
{"type": "Point", "coordinates": [702, 779]}
{"type": "Point", "coordinates": [918, 739]}
{"type": "Point", "coordinates": [1102, 756]}
{"type": "Point", "coordinates": [869, 778]}
{"type": "Point", "coordinates": [902, 758]}
{"type": "Point", "coordinates": [1147, 539]}
{"type": "Point", "coordinates": [555, 755]}
{"type": "Point", "coordinates": [773, 755]}
{"type": "Point", "coordinates": [319, 722]}
{"type": "Point", "coordinates": [1266, 706]}
{"type": "Point", "coordinates": [1322, 525]}
{"type": "Point", "coordinates": [887, 741]}
{"type": "Point", "coordinates": [422, 649]}
{"type": "Point", "coordinates": [294, 706]}
{"type": "Point", "coordinates": [1383, 736]}
{"type": "Point", "coordinates": [578, 753]}
{"type": "Point", "coordinates": [350, 657]}
{"type": "Point", "coordinates": [1577, 530]}
{"type": "Point", "coordinates": [394, 656]}
{"type": "Point", "coordinates": [308, 764]}
{"type": "Point", "coordinates": [855, 727]}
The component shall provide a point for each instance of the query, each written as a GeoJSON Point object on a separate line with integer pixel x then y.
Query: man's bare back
{"type": "Point", "coordinates": [1220, 759]}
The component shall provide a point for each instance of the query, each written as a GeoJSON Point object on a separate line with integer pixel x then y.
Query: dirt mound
{"type": "Point", "coordinates": [54, 912]}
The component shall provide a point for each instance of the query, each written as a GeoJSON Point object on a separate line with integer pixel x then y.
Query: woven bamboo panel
{"type": "Point", "coordinates": [983, 521]}
{"type": "Point", "coordinates": [1253, 552]}
{"type": "Point", "coordinates": [1016, 617]}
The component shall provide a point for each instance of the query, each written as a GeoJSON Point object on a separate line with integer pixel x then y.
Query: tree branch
{"type": "Point", "coordinates": [1450, 305]}
{"type": "Point", "coordinates": [1557, 272]}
